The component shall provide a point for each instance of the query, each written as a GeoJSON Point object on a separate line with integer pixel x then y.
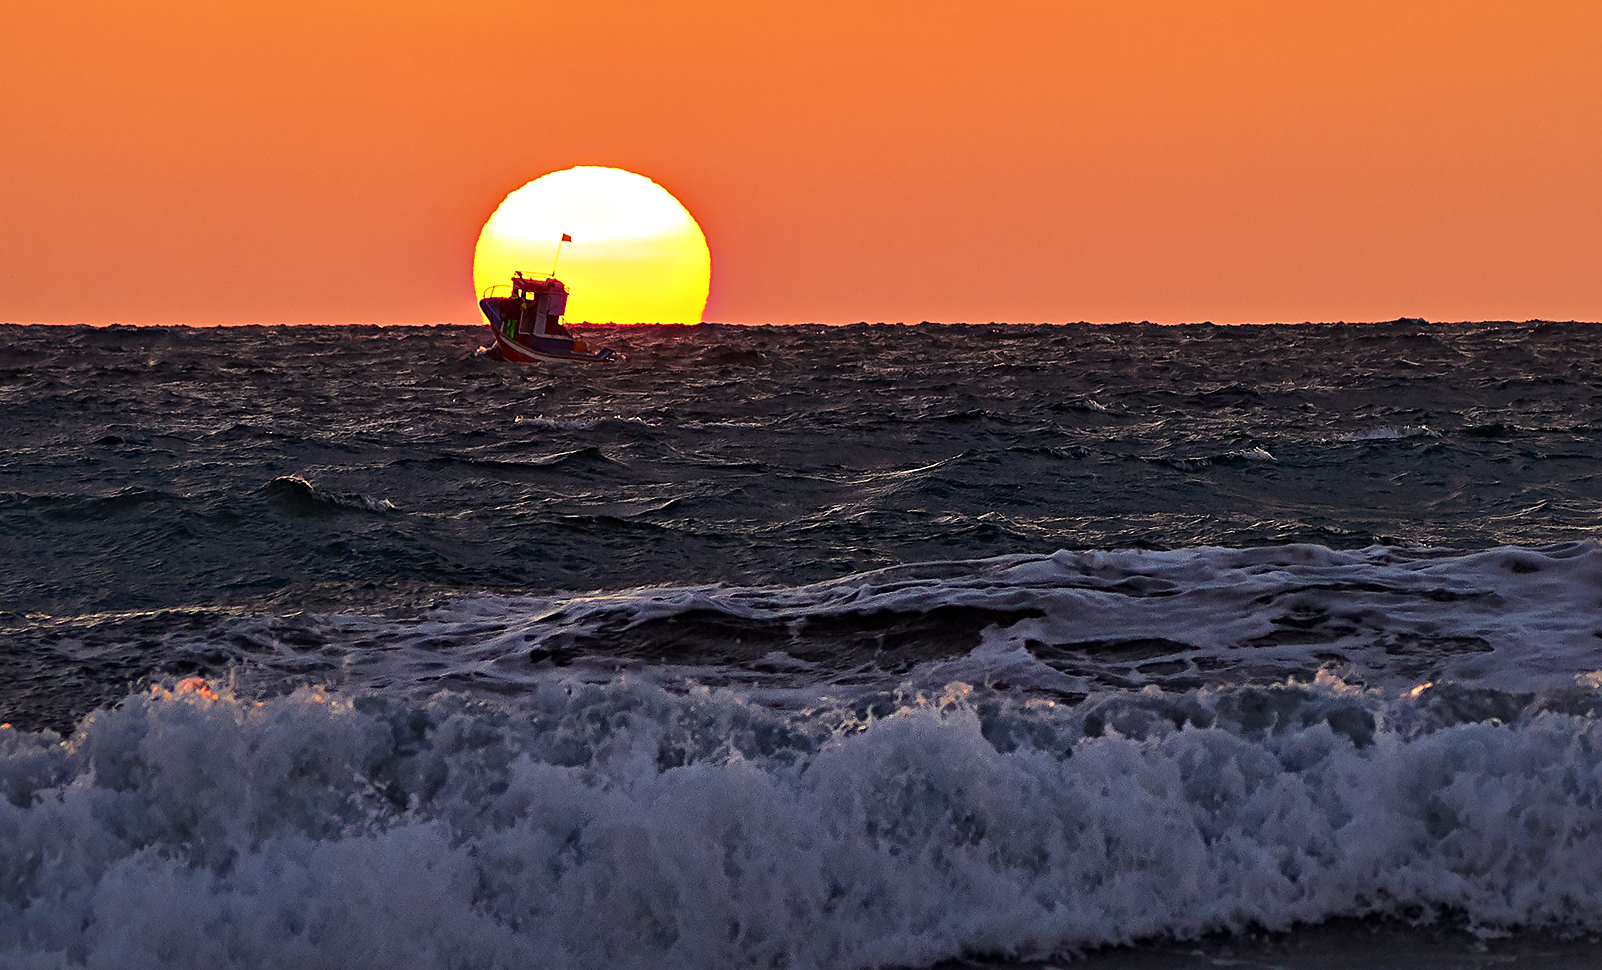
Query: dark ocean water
{"type": "Point", "coordinates": [794, 647]}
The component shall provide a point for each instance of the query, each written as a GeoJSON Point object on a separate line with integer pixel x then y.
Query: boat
{"type": "Point", "coordinates": [528, 324]}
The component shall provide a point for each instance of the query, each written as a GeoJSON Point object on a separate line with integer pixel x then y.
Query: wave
{"type": "Point", "coordinates": [728, 356]}
{"type": "Point", "coordinates": [621, 824]}
{"type": "Point", "coordinates": [300, 497]}
{"type": "Point", "coordinates": [1389, 433]}
{"type": "Point", "coordinates": [1061, 626]}
{"type": "Point", "coordinates": [80, 508]}
{"type": "Point", "coordinates": [1238, 456]}
{"type": "Point", "coordinates": [577, 459]}
{"type": "Point", "coordinates": [583, 424]}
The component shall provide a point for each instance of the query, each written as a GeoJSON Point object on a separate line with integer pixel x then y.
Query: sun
{"type": "Point", "coordinates": [636, 255]}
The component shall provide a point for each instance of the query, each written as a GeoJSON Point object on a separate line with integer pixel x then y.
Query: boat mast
{"type": "Point", "coordinates": [565, 239]}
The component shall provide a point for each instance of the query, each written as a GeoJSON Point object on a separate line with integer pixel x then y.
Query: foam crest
{"type": "Point", "coordinates": [1389, 432]}
{"type": "Point", "coordinates": [300, 497]}
{"type": "Point", "coordinates": [620, 824]}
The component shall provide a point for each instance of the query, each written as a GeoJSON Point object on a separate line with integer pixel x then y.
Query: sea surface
{"type": "Point", "coordinates": [802, 647]}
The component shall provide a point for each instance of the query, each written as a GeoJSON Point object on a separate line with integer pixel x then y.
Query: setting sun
{"type": "Point", "coordinates": [636, 255]}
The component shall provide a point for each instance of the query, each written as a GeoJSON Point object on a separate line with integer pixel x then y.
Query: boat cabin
{"type": "Point", "coordinates": [537, 305]}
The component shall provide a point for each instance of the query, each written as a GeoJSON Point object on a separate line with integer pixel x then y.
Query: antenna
{"type": "Point", "coordinates": [565, 239]}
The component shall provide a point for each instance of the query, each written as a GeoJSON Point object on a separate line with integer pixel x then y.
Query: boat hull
{"type": "Point", "coordinates": [548, 348]}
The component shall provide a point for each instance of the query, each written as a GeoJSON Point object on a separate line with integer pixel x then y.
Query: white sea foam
{"type": "Point", "coordinates": [576, 424]}
{"type": "Point", "coordinates": [620, 825]}
{"type": "Point", "coordinates": [722, 425]}
{"type": "Point", "coordinates": [1389, 433]}
{"type": "Point", "coordinates": [1255, 453]}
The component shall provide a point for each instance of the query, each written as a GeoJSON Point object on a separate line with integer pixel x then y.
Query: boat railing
{"type": "Point", "coordinates": [517, 277]}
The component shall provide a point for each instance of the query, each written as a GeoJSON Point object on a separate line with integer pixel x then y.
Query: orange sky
{"type": "Point", "coordinates": [333, 160]}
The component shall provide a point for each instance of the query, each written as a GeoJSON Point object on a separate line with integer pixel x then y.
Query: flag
{"type": "Point", "coordinates": [566, 237]}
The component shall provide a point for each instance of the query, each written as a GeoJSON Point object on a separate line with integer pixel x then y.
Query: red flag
{"type": "Point", "coordinates": [566, 237]}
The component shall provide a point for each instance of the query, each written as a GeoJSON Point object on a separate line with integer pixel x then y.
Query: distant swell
{"type": "Point", "coordinates": [80, 508]}
{"type": "Point", "coordinates": [545, 466]}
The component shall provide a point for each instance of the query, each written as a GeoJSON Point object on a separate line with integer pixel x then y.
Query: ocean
{"type": "Point", "coordinates": [1124, 646]}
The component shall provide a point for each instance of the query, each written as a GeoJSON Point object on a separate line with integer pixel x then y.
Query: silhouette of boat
{"type": "Point", "coordinates": [528, 324]}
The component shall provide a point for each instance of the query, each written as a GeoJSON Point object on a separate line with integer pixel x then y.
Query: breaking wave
{"type": "Point", "coordinates": [619, 824]}
{"type": "Point", "coordinates": [298, 496]}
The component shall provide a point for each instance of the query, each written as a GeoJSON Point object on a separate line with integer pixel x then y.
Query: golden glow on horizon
{"type": "Point", "coordinates": [637, 255]}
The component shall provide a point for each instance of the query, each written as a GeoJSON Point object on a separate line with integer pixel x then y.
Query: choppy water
{"type": "Point", "coordinates": [808, 647]}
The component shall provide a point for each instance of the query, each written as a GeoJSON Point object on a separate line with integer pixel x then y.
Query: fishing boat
{"type": "Point", "coordinates": [528, 324]}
